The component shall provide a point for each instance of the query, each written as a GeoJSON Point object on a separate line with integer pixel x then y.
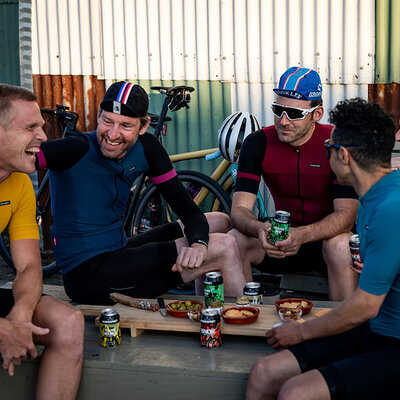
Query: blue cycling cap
{"type": "Point", "coordinates": [300, 83]}
{"type": "Point", "coordinates": [126, 98]}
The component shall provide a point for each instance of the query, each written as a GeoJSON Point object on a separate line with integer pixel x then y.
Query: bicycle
{"type": "Point", "coordinates": [66, 120]}
{"type": "Point", "coordinates": [151, 210]}
{"type": "Point", "coordinates": [146, 207]}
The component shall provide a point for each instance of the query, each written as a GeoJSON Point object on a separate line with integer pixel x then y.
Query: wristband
{"type": "Point", "coordinates": [202, 242]}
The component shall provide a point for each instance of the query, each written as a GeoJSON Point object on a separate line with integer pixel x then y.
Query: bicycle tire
{"type": "Point", "coordinates": [152, 210]}
{"type": "Point", "coordinates": [5, 251]}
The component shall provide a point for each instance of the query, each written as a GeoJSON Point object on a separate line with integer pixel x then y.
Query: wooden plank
{"type": "Point", "coordinates": [139, 320]}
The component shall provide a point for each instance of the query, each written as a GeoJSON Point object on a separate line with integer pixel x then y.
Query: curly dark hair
{"type": "Point", "coordinates": [368, 127]}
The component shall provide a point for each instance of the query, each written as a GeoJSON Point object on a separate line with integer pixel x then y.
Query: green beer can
{"type": "Point", "coordinates": [279, 226]}
{"type": "Point", "coordinates": [214, 291]}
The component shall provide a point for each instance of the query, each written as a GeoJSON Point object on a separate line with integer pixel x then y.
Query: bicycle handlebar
{"type": "Point", "coordinates": [67, 118]}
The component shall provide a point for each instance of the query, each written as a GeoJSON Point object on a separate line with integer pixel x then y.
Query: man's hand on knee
{"type": "Point", "coordinates": [190, 257]}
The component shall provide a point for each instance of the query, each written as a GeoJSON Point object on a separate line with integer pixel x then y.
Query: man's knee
{"type": "Point", "coordinates": [67, 325]}
{"type": "Point", "coordinates": [224, 244]}
{"type": "Point", "coordinates": [337, 247]}
{"type": "Point", "coordinates": [218, 222]}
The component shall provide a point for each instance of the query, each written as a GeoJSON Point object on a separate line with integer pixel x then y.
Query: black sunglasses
{"type": "Point", "coordinates": [329, 145]}
{"type": "Point", "coordinates": [292, 113]}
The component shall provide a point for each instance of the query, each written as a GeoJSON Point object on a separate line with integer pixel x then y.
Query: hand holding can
{"type": "Point", "coordinates": [279, 227]}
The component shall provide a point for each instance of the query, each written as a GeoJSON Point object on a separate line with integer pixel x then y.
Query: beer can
{"type": "Point", "coordinates": [280, 226]}
{"type": "Point", "coordinates": [210, 328]}
{"type": "Point", "coordinates": [110, 332]}
{"type": "Point", "coordinates": [354, 244]}
{"type": "Point", "coordinates": [253, 292]}
{"type": "Point", "coordinates": [214, 291]}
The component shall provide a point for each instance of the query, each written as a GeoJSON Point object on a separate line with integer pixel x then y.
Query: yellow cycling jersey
{"type": "Point", "coordinates": [18, 207]}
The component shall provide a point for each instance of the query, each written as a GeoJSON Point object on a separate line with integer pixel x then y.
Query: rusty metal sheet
{"type": "Point", "coordinates": [80, 93]}
{"type": "Point", "coordinates": [388, 96]}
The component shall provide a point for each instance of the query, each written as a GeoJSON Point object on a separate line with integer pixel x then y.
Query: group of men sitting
{"type": "Point", "coordinates": [324, 175]}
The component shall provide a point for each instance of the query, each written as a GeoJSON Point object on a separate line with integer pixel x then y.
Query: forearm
{"type": "Point", "coordinates": [332, 225]}
{"type": "Point", "coordinates": [246, 222]}
{"type": "Point", "coordinates": [352, 312]}
{"type": "Point", "coordinates": [27, 290]}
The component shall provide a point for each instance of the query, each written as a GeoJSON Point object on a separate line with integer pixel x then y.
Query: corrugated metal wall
{"type": "Point", "coordinates": [386, 90]}
{"type": "Point", "coordinates": [243, 44]}
{"type": "Point", "coordinates": [387, 67]}
{"type": "Point", "coordinates": [9, 44]}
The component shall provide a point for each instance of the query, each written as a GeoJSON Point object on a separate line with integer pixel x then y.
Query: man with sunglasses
{"type": "Point", "coordinates": [353, 351]}
{"type": "Point", "coordinates": [290, 156]}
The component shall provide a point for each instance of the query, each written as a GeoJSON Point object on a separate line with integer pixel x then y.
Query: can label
{"type": "Point", "coordinates": [214, 291]}
{"type": "Point", "coordinates": [252, 291]}
{"type": "Point", "coordinates": [279, 226]}
{"type": "Point", "coordinates": [354, 244]}
{"type": "Point", "coordinates": [210, 330]}
{"type": "Point", "coordinates": [110, 332]}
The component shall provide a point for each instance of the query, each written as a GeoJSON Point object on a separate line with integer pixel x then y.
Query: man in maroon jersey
{"type": "Point", "coordinates": [290, 156]}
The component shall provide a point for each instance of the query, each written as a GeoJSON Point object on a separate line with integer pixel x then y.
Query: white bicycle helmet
{"type": "Point", "coordinates": [232, 133]}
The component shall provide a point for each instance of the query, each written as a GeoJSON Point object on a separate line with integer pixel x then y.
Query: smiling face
{"type": "Point", "coordinates": [296, 132]}
{"type": "Point", "coordinates": [116, 133]}
{"type": "Point", "coordinates": [20, 138]}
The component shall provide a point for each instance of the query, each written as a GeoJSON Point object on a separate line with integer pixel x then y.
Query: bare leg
{"type": "Point", "coordinates": [218, 222]}
{"type": "Point", "coordinates": [223, 255]}
{"type": "Point", "coordinates": [308, 386]}
{"type": "Point", "coordinates": [342, 280]}
{"type": "Point", "coordinates": [61, 364]}
{"type": "Point", "coordinates": [270, 373]}
{"type": "Point", "coordinates": [251, 251]}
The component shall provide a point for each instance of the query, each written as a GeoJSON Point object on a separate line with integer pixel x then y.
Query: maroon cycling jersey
{"type": "Point", "coordinates": [300, 178]}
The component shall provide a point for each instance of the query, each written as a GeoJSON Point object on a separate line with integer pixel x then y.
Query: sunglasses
{"type": "Point", "coordinates": [292, 113]}
{"type": "Point", "coordinates": [329, 145]}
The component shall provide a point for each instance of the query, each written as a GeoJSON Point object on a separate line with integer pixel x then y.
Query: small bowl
{"type": "Point", "coordinates": [305, 309]}
{"type": "Point", "coordinates": [194, 315]}
{"type": "Point", "coordinates": [243, 319]}
{"type": "Point", "coordinates": [181, 313]}
{"type": "Point", "coordinates": [290, 313]}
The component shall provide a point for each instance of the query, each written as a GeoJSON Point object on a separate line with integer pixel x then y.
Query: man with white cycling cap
{"type": "Point", "coordinates": [26, 317]}
{"type": "Point", "coordinates": [290, 156]}
{"type": "Point", "coordinates": [88, 206]}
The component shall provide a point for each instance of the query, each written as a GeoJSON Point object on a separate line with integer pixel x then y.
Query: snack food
{"type": "Point", "coordinates": [240, 315]}
{"type": "Point", "coordinates": [292, 313]}
{"type": "Point", "coordinates": [304, 304]}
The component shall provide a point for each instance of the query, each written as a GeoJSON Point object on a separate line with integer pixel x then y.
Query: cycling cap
{"type": "Point", "coordinates": [126, 98]}
{"type": "Point", "coordinates": [300, 83]}
{"type": "Point", "coordinates": [232, 133]}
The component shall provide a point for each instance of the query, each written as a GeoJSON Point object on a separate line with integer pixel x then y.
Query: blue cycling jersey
{"type": "Point", "coordinates": [89, 200]}
{"type": "Point", "coordinates": [378, 224]}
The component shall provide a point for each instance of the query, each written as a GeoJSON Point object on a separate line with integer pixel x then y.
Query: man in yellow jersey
{"type": "Point", "coordinates": [26, 317]}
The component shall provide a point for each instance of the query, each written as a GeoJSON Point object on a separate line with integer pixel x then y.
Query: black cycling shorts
{"type": "Point", "coordinates": [142, 269]}
{"type": "Point", "coordinates": [6, 302]}
{"type": "Point", "coordinates": [357, 364]}
{"type": "Point", "coordinates": [308, 258]}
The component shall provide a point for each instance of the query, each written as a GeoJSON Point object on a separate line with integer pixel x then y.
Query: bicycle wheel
{"type": "Point", "coordinates": [5, 249]}
{"type": "Point", "coordinates": [152, 209]}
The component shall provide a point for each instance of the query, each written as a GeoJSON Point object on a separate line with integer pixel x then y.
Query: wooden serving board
{"type": "Point", "coordinates": [139, 320]}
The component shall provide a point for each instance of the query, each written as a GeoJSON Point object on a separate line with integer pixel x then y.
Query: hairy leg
{"type": "Point", "coordinates": [250, 250]}
{"type": "Point", "coordinates": [61, 363]}
{"type": "Point", "coordinates": [223, 255]}
{"type": "Point", "coordinates": [342, 280]}
{"type": "Point", "coordinates": [269, 374]}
